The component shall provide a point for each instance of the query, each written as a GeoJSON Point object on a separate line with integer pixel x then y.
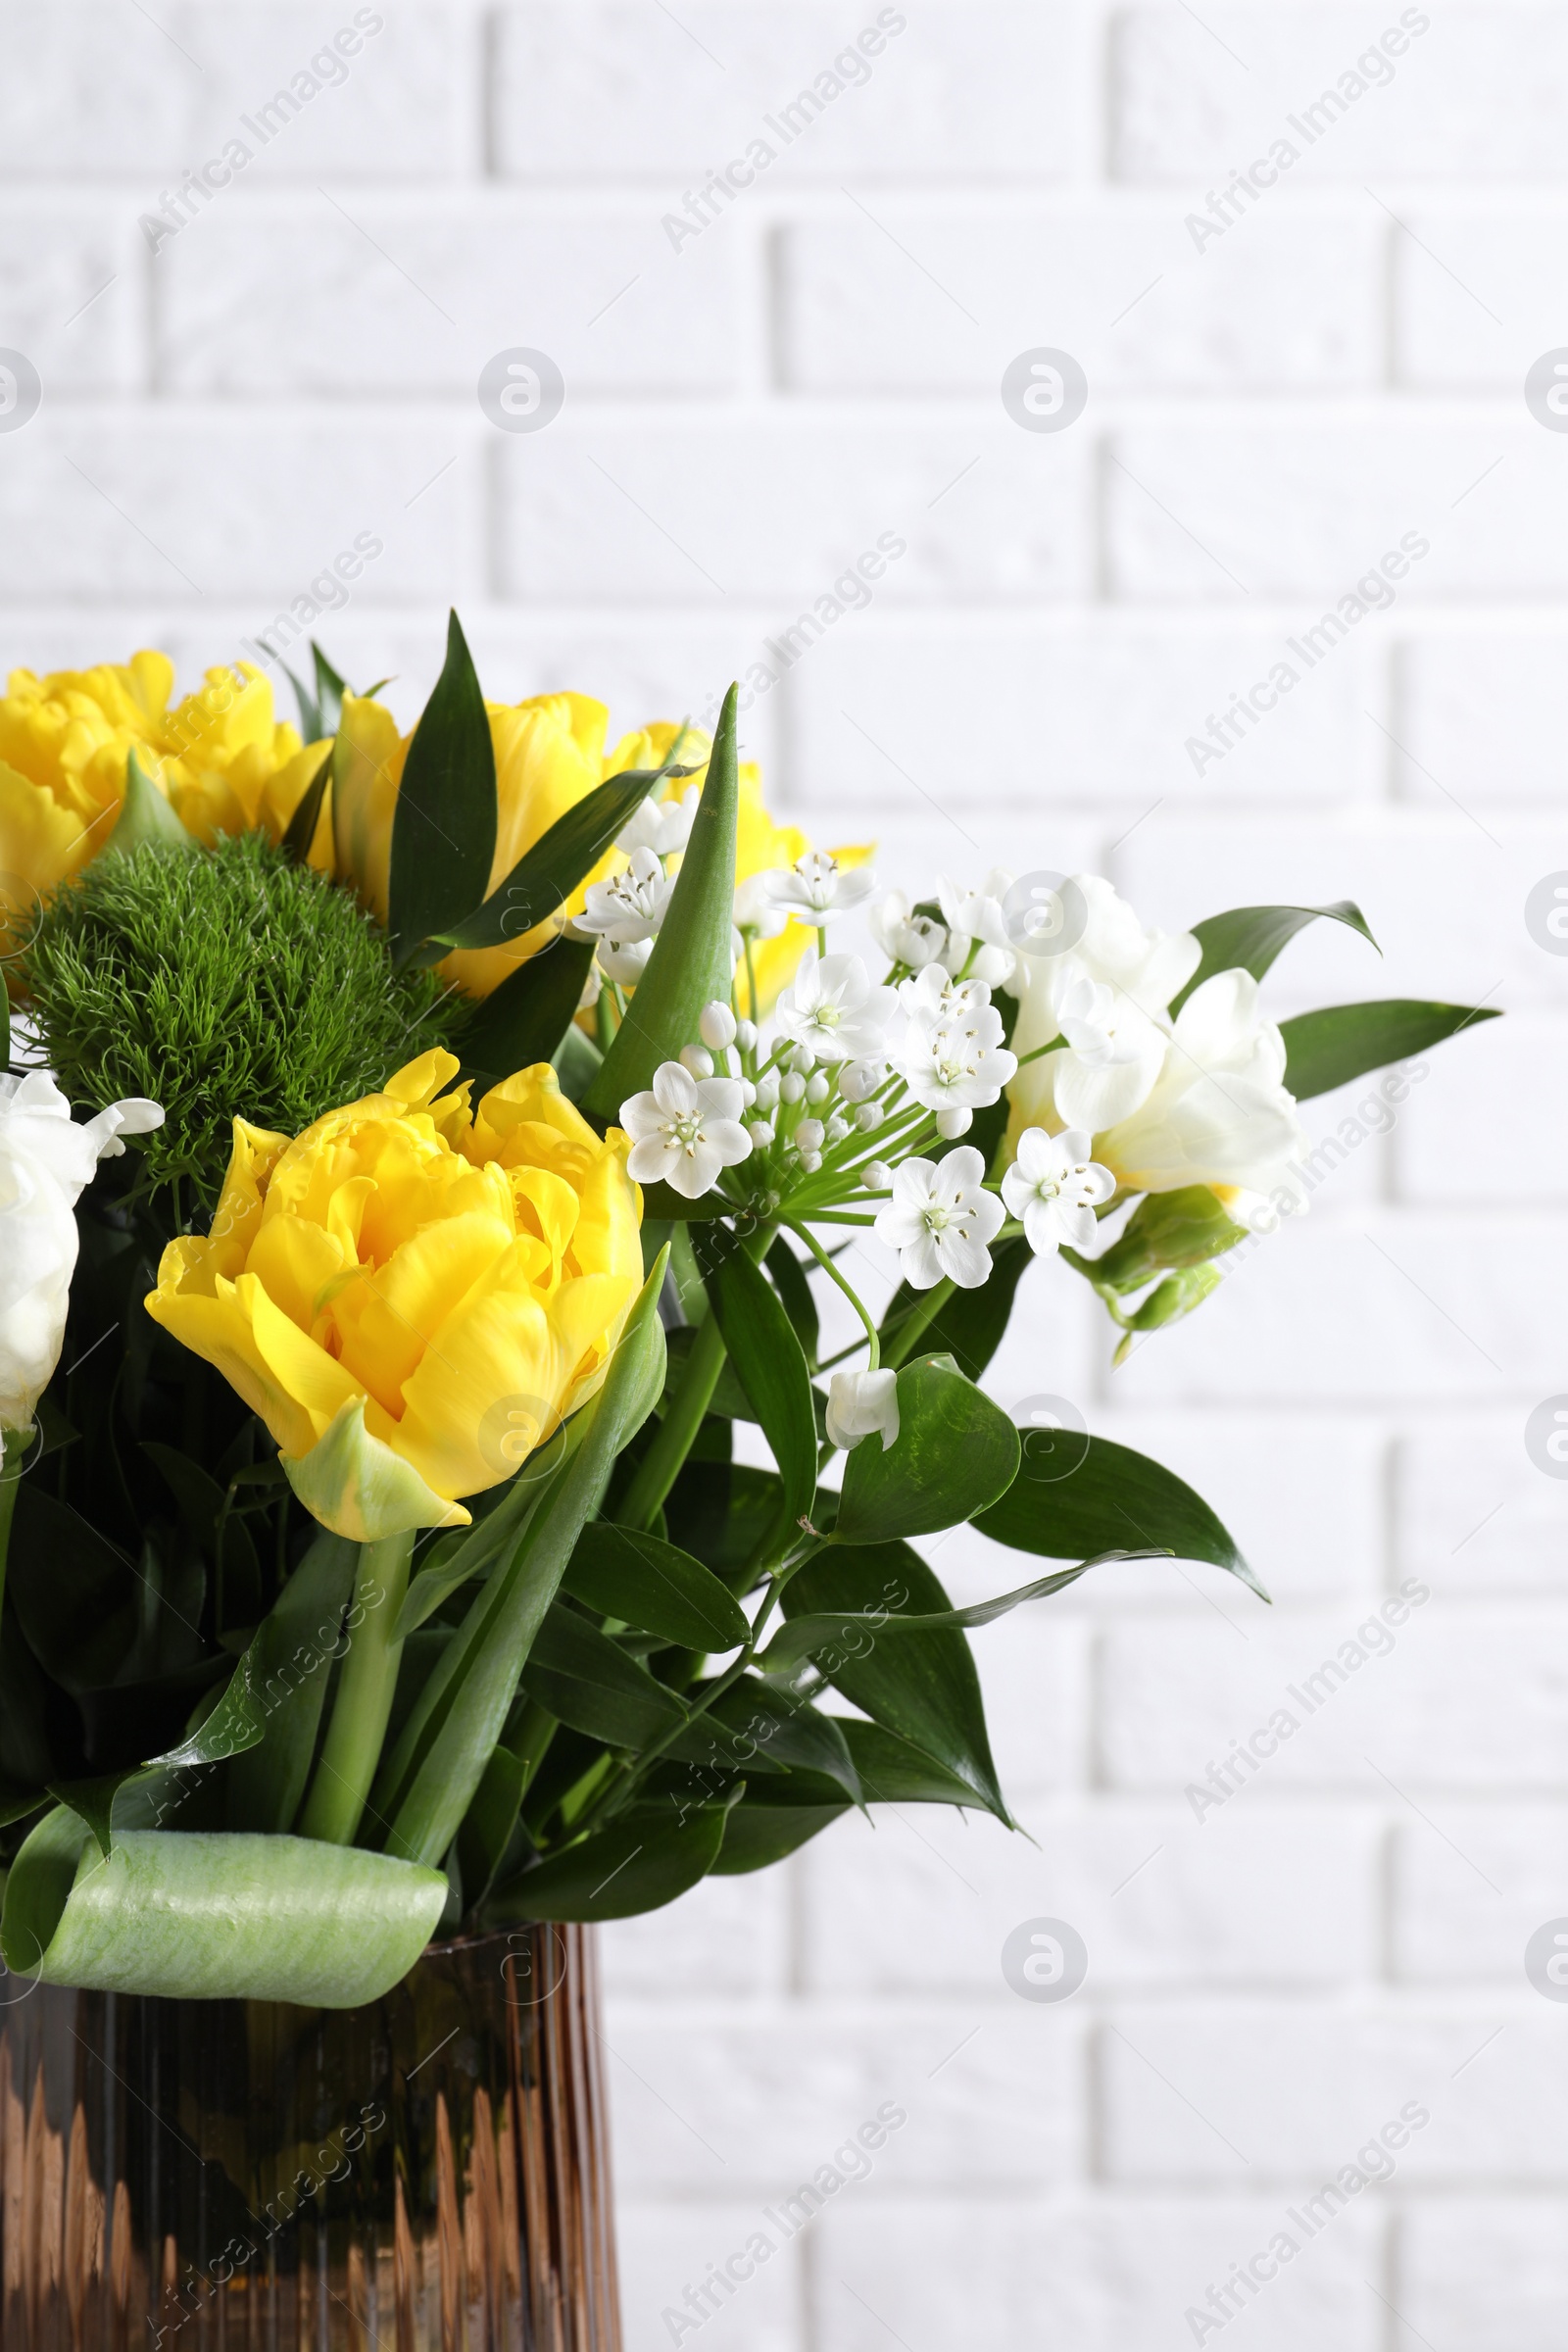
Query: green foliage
{"type": "Point", "coordinates": [1249, 938]}
{"type": "Point", "coordinates": [1340, 1042]}
{"type": "Point", "coordinates": [232, 983]}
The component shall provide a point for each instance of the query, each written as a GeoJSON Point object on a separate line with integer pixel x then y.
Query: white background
{"type": "Point", "coordinates": [1267, 415]}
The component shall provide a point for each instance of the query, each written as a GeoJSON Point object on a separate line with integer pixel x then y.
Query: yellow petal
{"type": "Point", "coordinates": [366, 773]}
{"type": "Point", "coordinates": [302, 1368]}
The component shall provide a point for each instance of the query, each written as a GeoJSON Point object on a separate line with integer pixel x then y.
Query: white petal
{"type": "Point", "coordinates": [920, 1263]}
{"type": "Point", "coordinates": [1040, 1228]}
{"type": "Point", "coordinates": [675, 1091]}
{"type": "Point", "coordinates": [966, 1263]}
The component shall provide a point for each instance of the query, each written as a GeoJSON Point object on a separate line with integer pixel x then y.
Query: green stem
{"type": "Point", "coordinates": [915, 1323]}
{"type": "Point", "coordinates": [661, 1465]}
{"type": "Point", "coordinates": [14, 1445]}
{"type": "Point", "coordinates": [363, 1702]}
{"type": "Point", "coordinates": [826, 1263]}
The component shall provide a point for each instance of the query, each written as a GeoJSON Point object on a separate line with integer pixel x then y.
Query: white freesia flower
{"type": "Point", "coordinates": [862, 1404]}
{"type": "Point", "coordinates": [685, 1129]}
{"type": "Point", "coordinates": [940, 1219]}
{"type": "Point", "coordinates": [959, 1064]}
{"type": "Point", "coordinates": [933, 997]}
{"type": "Point", "coordinates": [977, 929]}
{"type": "Point", "coordinates": [1219, 1113]}
{"type": "Point", "coordinates": [833, 1011]}
{"type": "Point", "coordinates": [662, 826]}
{"type": "Point", "coordinates": [1115, 1068]}
{"type": "Point", "coordinates": [904, 936]}
{"type": "Point", "coordinates": [631, 905]}
{"type": "Point", "coordinates": [1053, 1187]}
{"type": "Point", "coordinates": [817, 887]}
{"type": "Point", "coordinates": [755, 915]}
{"type": "Point", "coordinates": [45, 1160]}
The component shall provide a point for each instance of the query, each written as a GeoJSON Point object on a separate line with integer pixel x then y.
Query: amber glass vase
{"type": "Point", "coordinates": [428, 2173]}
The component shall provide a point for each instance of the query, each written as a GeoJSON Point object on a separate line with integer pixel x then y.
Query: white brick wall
{"type": "Point", "coordinates": [1269, 409]}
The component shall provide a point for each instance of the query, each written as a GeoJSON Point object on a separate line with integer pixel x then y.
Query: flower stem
{"type": "Point", "coordinates": [661, 1465]}
{"type": "Point", "coordinates": [14, 1445]}
{"type": "Point", "coordinates": [823, 1260]}
{"type": "Point", "coordinates": [353, 1747]}
{"type": "Point", "coordinates": [916, 1323]}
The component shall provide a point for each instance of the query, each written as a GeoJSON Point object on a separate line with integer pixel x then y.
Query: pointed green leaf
{"type": "Point", "coordinates": [766, 1355]}
{"type": "Point", "coordinates": [311, 729]}
{"type": "Point", "coordinates": [655, 1587]}
{"type": "Point", "coordinates": [638, 1865]}
{"type": "Point", "coordinates": [894, 1772]}
{"type": "Point", "coordinates": [924, 1688]}
{"type": "Point", "coordinates": [586, 1680]}
{"type": "Point", "coordinates": [331, 689]}
{"type": "Point", "coordinates": [444, 827]}
{"type": "Point", "coordinates": [766, 1829]}
{"type": "Point", "coordinates": [527, 1017]}
{"type": "Point", "coordinates": [689, 965]}
{"type": "Point", "coordinates": [1249, 937]}
{"type": "Point", "coordinates": [307, 817]}
{"type": "Point", "coordinates": [752, 1726]}
{"type": "Point", "coordinates": [955, 1452]}
{"type": "Point", "coordinates": [1113, 1498]}
{"type": "Point", "coordinates": [145, 815]}
{"type": "Point", "coordinates": [544, 877]}
{"type": "Point", "coordinates": [1340, 1042]}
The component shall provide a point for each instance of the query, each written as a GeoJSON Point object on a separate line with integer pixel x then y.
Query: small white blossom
{"type": "Point", "coordinates": [950, 1124]}
{"type": "Point", "coordinates": [685, 1129]}
{"type": "Point", "coordinates": [811, 1161]}
{"type": "Point", "coordinates": [876, 1176]}
{"type": "Point", "coordinates": [745, 1035]}
{"type": "Point", "coordinates": [818, 1088]}
{"type": "Point", "coordinates": [697, 1059]}
{"type": "Point", "coordinates": [767, 1090]}
{"type": "Point", "coordinates": [977, 929]}
{"type": "Point", "coordinates": [790, 1087]}
{"type": "Point", "coordinates": [631, 906]}
{"type": "Point", "coordinates": [817, 887]}
{"type": "Point", "coordinates": [935, 995]}
{"type": "Point", "coordinates": [662, 826]}
{"type": "Point", "coordinates": [716, 1026]}
{"type": "Point", "coordinates": [858, 1080]}
{"type": "Point", "coordinates": [832, 1011]}
{"type": "Point", "coordinates": [837, 1129]}
{"type": "Point", "coordinates": [625, 964]}
{"type": "Point", "coordinates": [869, 1115]}
{"type": "Point", "coordinates": [809, 1135]}
{"type": "Point", "coordinates": [939, 1220]}
{"type": "Point", "coordinates": [592, 988]}
{"type": "Point", "coordinates": [1054, 1186]}
{"type": "Point", "coordinates": [862, 1404]}
{"type": "Point", "coordinates": [756, 914]}
{"type": "Point", "coordinates": [960, 1065]}
{"type": "Point", "coordinates": [904, 936]}
{"type": "Point", "coordinates": [760, 1132]}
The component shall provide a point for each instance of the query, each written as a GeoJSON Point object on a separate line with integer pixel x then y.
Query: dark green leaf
{"type": "Point", "coordinates": [689, 967]}
{"type": "Point", "coordinates": [1114, 1498]}
{"type": "Point", "coordinates": [795, 1291]}
{"type": "Point", "coordinates": [544, 877]}
{"type": "Point", "coordinates": [760, 1830]}
{"type": "Point", "coordinates": [291, 1665]}
{"type": "Point", "coordinates": [637, 1865]}
{"type": "Point", "coordinates": [955, 1452]}
{"type": "Point", "coordinates": [753, 1722]}
{"type": "Point", "coordinates": [654, 1587]}
{"type": "Point", "coordinates": [894, 1772]}
{"type": "Point", "coordinates": [309, 708]}
{"type": "Point", "coordinates": [1340, 1042]}
{"type": "Point", "coordinates": [834, 1634]}
{"type": "Point", "coordinates": [968, 1325]}
{"type": "Point", "coordinates": [1249, 937]}
{"type": "Point", "coordinates": [444, 826]}
{"type": "Point", "coordinates": [924, 1688]}
{"type": "Point", "coordinates": [525, 1020]}
{"type": "Point", "coordinates": [585, 1679]}
{"type": "Point", "coordinates": [722, 1513]}
{"type": "Point", "coordinates": [71, 1591]}
{"type": "Point", "coordinates": [306, 818]}
{"type": "Point", "coordinates": [767, 1355]}
{"type": "Point", "coordinates": [331, 689]}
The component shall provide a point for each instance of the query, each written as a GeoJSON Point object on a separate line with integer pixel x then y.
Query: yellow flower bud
{"type": "Point", "coordinates": [410, 1295]}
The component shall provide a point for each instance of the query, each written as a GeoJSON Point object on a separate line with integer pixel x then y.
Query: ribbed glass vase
{"type": "Point", "coordinates": [429, 2174]}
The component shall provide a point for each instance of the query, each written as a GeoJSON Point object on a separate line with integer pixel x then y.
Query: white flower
{"type": "Point", "coordinates": [631, 906]}
{"type": "Point", "coordinates": [876, 1176]}
{"type": "Point", "coordinates": [833, 1011]}
{"type": "Point", "coordinates": [685, 1129]}
{"type": "Point", "coordinates": [934, 995]}
{"type": "Point", "coordinates": [859, 1080]}
{"type": "Point", "coordinates": [625, 964]}
{"type": "Point", "coordinates": [1109, 1057]}
{"type": "Point", "coordinates": [940, 1219]}
{"type": "Point", "coordinates": [45, 1160]}
{"type": "Point", "coordinates": [904, 936]}
{"type": "Point", "coordinates": [958, 1065]}
{"type": "Point", "coordinates": [976, 922]}
{"type": "Point", "coordinates": [662, 826]}
{"type": "Point", "coordinates": [1054, 1187]}
{"type": "Point", "coordinates": [716, 1025]}
{"type": "Point", "coordinates": [817, 887]}
{"type": "Point", "coordinates": [809, 1135]}
{"type": "Point", "coordinates": [1219, 1113]}
{"type": "Point", "coordinates": [862, 1404]}
{"type": "Point", "coordinates": [1117, 1065]}
{"type": "Point", "coordinates": [755, 915]}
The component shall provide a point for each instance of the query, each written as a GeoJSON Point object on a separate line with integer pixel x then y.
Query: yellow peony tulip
{"type": "Point", "coordinates": [411, 1297]}
{"type": "Point", "coordinates": [223, 764]}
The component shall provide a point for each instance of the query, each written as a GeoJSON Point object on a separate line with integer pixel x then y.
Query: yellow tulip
{"type": "Point", "coordinates": [221, 760]}
{"type": "Point", "coordinates": [411, 1297]}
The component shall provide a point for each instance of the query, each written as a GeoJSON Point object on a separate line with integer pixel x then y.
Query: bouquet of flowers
{"type": "Point", "coordinates": [416, 1156]}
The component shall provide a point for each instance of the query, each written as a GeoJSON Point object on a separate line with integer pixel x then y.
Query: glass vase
{"type": "Point", "coordinates": [427, 2174]}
